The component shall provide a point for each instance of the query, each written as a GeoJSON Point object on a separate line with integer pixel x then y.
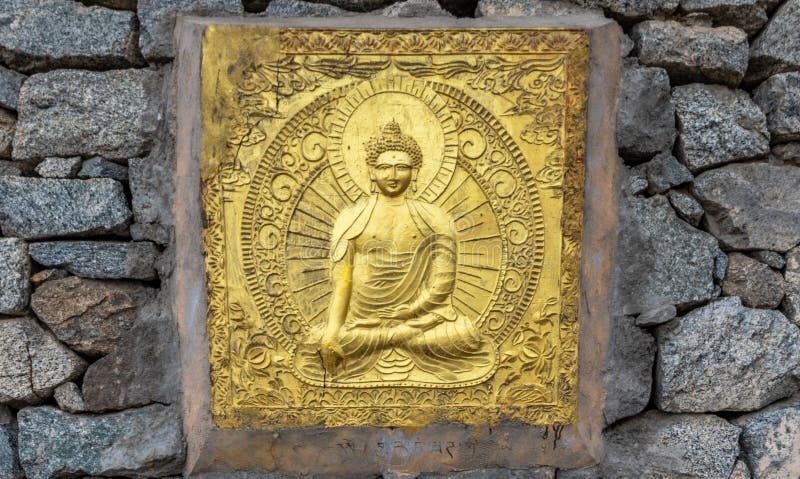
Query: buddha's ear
{"type": "Point", "coordinates": [371, 172]}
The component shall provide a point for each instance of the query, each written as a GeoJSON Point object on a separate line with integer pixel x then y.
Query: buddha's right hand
{"type": "Point", "coordinates": [331, 351]}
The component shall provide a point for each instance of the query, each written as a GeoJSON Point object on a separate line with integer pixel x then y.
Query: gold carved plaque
{"type": "Point", "coordinates": [392, 224]}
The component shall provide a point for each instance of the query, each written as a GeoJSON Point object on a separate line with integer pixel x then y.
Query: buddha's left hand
{"type": "Point", "coordinates": [402, 311]}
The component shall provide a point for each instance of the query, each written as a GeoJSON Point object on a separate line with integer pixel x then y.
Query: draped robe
{"type": "Point", "coordinates": [445, 344]}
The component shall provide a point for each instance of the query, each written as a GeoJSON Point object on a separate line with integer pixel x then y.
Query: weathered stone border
{"type": "Point", "coordinates": [211, 449]}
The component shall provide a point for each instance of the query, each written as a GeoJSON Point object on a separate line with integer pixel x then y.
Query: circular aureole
{"type": "Point", "coordinates": [421, 114]}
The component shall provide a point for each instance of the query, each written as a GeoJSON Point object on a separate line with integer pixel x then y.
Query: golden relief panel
{"type": "Point", "coordinates": [392, 224]}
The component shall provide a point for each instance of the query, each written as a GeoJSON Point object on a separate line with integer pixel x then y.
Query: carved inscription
{"type": "Point", "coordinates": [393, 236]}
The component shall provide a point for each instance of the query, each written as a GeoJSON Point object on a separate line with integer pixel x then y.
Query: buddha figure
{"type": "Point", "coordinates": [393, 272]}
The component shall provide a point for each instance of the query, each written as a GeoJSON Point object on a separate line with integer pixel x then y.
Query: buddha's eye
{"type": "Point", "coordinates": [403, 167]}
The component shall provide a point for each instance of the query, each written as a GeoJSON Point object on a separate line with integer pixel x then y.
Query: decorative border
{"type": "Point", "coordinates": [573, 45]}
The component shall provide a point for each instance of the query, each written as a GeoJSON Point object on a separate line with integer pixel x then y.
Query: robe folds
{"type": "Point", "coordinates": [436, 342]}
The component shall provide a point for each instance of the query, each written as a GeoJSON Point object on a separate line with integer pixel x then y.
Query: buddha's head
{"type": "Point", "coordinates": [393, 159]}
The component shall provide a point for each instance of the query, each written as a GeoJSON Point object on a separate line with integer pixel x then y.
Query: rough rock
{"type": "Point", "coordinates": [771, 440]}
{"type": "Point", "coordinates": [530, 8]}
{"type": "Point", "coordinates": [740, 471]}
{"type": "Point", "coordinates": [663, 260]}
{"type": "Point", "coordinates": [627, 11]}
{"type": "Point", "coordinates": [90, 316]}
{"type": "Point", "coordinates": [717, 125]}
{"type": "Point", "coordinates": [8, 124]}
{"type": "Point", "coordinates": [35, 208]}
{"type": "Point", "coordinates": [657, 315]}
{"type": "Point", "coordinates": [747, 15]}
{"type": "Point", "coordinates": [415, 8]}
{"type": "Point", "coordinates": [9, 464]}
{"type": "Point", "coordinates": [779, 99]}
{"type": "Point", "coordinates": [770, 258]}
{"type": "Point", "coordinates": [628, 376]}
{"type": "Point", "coordinates": [74, 112]}
{"type": "Point", "coordinates": [793, 265]}
{"type": "Point", "coordinates": [591, 472]}
{"type": "Point", "coordinates": [645, 116]}
{"type": "Point", "coordinates": [151, 185]}
{"type": "Point", "coordinates": [752, 206]}
{"type": "Point", "coordinates": [144, 369]}
{"type": "Point", "coordinates": [725, 357]}
{"type": "Point", "coordinates": [10, 83]}
{"type": "Point", "coordinates": [658, 445]}
{"type": "Point", "coordinates": [664, 172]}
{"type": "Point", "coordinates": [692, 53]}
{"type": "Point", "coordinates": [9, 168]}
{"type": "Point", "coordinates": [15, 269]}
{"type": "Point", "coordinates": [758, 285]}
{"type": "Point", "coordinates": [48, 275]}
{"type": "Point", "coordinates": [157, 18]}
{"type": "Point", "coordinates": [99, 167]}
{"type": "Point", "coordinates": [686, 206]}
{"type": "Point", "coordinates": [791, 302]}
{"type": "Point", "coordinates": [775, 49]}
{"type": "Point", "coordinates": [33, 362]}
{"type": "Point", "coordinates": [118, 4]}
{"type": "Point", "coordinates": [299, 8]}
{"type": "Point", "coordinates": [786, 153]}
{"type": "Point", "coordinates": [144, 442]}
{"type": "Point", "coordinates": [634, 182]}
{"type": "Point", "coordinates": [84, 37]}
{"type": "Point", "coordinates": [720, 265]}
{"type": "Point", "coordinates": [99, 259]}
{"type": "Point", "coordinates": [68, 397]}
{"type": "Point", "coordinates": [55, 167]}
{"type": "Point", "coordinates": [487, 473]}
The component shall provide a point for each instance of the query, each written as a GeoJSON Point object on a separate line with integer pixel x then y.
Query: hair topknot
{"type": "Point", "coordinates": [392, 139]}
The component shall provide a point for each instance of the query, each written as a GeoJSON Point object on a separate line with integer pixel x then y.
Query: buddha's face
{"type": "Point", "coordinates": [392, 172]}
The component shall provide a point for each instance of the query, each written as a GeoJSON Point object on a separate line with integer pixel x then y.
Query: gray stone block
{"type": "Point", "coordinates": [15, 272]}
{"type": "Point", "coordinates": [90, 316]}
{"type": "Point", "coordinates": [415, 8]}
{"type": "Point", "coordinates": [157, 19]}
{"type": "Point", "coordinates": [10, 83]}
{"type": "Point", "coordinates": [661, 259]}
{"type": "Point", "coordinates": [658, 445]}
{"type": "Point", "coordinates": [656, 315]}
{"type": "Point", "coordinates": [99, 167]}
{"type": "Point", "coordinates": [68, 397]}
{"type": "Point", "coordinates": [770, 258]}
{"type": "Point", "coordinates": [99, 259]}
{"type": "Point", "coordinates": [724, 357]}
{"type": "Point", "coordinates": [779, 99]}
{"type": "Point", "coordinates": [9, 463]}
{"type": "Point", "coordinates": [8, 125]}
{"type": "Point", "coordinates": [771, 440]}
{"type": "Point", "coordinates": [55, 167]}
{"type": "Point", "coordinates": [629, 370]}
{"type": "Point", "coordinates": [299, 8]}
{"type": "Point", "coordinates": [530, 8]}
{"type": "Point", "coordinates": [752, 206]}
{"type": "Point", "coordinates": [630, 11]}
{"type": "Point", "coordinates": [145, 368]}
{"type": "Point", "coordinates": [34, 208]}
{"type": "Point", "coordinates": [748, 15]}
{"type": "Point", "coordinates": [664, 172]}
{"type": "Point", "coordinates": [740, 471]}
{"type": "Point", "coordinates": [775, 49]}
{"type": "Point", "coordinates": [46, 34]}
{"type": "Point", "coordinates": [79, 113]}
{"type": "Point", "coordinates": [646, 116]}
{"type": "Point", "coordinates": [688, 208]}
{"type": "Point", "coordinates": [33, 362]}
{"type": "Point", "coordinates": [146, 442]}
{"type": "Point", "coordinates": [692, 53]}
{"type": "Point", "coordinates": [718, 125]}
{"type": "Point", "coordinates": [758, 285]}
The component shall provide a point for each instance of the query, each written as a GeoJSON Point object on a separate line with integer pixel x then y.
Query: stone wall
{"type": "Point", "coordinates": [704, 368]}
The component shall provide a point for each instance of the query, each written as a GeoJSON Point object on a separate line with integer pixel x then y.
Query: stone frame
{"type": "Point", "coordinates": [348, 451]}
